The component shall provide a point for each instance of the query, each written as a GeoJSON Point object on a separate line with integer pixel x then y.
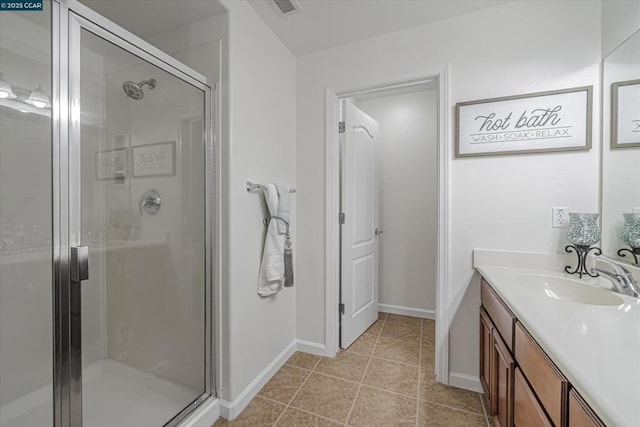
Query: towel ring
{"type": "Point", "coordinates": [268, 219]}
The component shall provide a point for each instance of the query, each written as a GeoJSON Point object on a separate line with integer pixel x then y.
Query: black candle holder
{"type": "Point", "coordinates": [635, 253]}
{"type": "Point", "coordinates": [582, 251]}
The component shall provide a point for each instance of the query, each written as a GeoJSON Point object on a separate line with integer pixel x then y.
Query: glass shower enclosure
{"type": "Point", "coordinates": [105, 226]}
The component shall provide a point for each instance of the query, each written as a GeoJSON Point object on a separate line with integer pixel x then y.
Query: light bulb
{"type": "Point", "coordinates": [38, 98]}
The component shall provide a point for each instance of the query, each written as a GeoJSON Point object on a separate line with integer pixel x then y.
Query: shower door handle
{"type": "Point", "coordinates": [79, 263]}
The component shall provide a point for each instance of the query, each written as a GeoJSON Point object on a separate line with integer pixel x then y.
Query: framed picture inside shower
{"type": "Point", "coordinates": [559, 120]}
{"type": "Point", "coordinates": [111, 164]}
{"type": "Point", "coordinates": [625, 114]}
{"type": "Point", "coordinates": [157, 159]}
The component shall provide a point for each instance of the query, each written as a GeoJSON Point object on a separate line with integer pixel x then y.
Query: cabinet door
{"type": "Point", "coordinates": [580, 414]}
{"type": "Point", "coordinates": [527, 412]}
{"type": "Point", "coordinates": [550, 386]}
{"type": "Point", "coordinates": [486, 327]}
{"type": "Point", "coordinates": [502, 371]}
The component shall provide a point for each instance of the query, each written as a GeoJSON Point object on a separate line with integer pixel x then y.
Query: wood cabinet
{"type": "Point", "coordinates": [503, 319]}
{"type": "Point", "coordinates": [580, 414]}
{"type": "Point", "coordinates": [524, 388]}
{"type": "Point", "coordinates": [496, 362]}
{"type": "Point", "coordinates": [486, 327]}
{"type": "Point", "coordinates": [550, 385]}
{"type": "Point", "coordinates": [527, 410]}
{"type": "Point", "coordinates": [502, 370]}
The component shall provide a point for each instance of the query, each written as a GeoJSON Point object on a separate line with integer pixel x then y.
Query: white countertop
{"type": "Point", "coordinates": [596, 347]}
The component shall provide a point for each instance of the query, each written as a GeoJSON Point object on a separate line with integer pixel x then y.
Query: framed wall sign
{"type": "Point", "coordinates": [111, 164]}
{"type": "Point", "coordinates": [158, 159]}
{"type": "Point", "coordinates": [625, 114]}
{"type": "Point", "coordinates": [558, 120]}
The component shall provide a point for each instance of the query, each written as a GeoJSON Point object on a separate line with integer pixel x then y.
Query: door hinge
{"type": "Point", "coordinates": [341, 308]}
{"type": "Point", "coordinates": [341, 127]}
{"type": "Point", "coordinates": [341, 218]}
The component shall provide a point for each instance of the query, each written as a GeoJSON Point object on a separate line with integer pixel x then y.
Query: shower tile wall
{"type": "Point", "coordinates": [153, 271]}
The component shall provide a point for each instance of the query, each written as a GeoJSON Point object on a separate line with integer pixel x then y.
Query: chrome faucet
{"type": "Point", "coordinates": [621, 278]}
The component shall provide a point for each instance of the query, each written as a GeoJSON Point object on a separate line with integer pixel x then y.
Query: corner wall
{"type": "Point", "coordinates": [261, 146]}
{"type": "Point", "coordinates": [256, 140]}
{"type": "Point", "coordinates": [501, 202]}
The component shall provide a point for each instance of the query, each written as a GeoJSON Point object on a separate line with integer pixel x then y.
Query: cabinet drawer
{"type": "Point", "coordinates": [501, 316]}
{"type": "Point", "coordinates": [580, 415]}
{"type": "Point", "coordinates": [527, 410]}
{"type": "Point", "coordinates": [547, 382]}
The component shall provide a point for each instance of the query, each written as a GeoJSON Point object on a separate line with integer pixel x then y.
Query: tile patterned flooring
{"type": "Point", "coordinates": [385, 378]}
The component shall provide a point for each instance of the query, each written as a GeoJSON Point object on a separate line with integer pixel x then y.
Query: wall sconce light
{"type": "Point", "coordinates": [38, 98]}
{"type": "Point", "coordinates": [631, 236]}
{"type": "Point", "coordinates": [583, 232]}
{"type": "Point", "coordinates": [6, 92]}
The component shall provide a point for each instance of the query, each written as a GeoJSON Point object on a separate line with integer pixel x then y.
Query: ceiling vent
{"type": "Point", "coordinates": [286, 7]}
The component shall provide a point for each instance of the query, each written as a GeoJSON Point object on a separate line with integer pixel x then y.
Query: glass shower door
{"type": "Point", "coordinates": [26, 217]}
{"type": "Point", "coordinates": [138, 197]}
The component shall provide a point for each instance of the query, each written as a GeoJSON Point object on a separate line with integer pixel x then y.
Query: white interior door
{"type": "Point", "coordinates": [359, 275]}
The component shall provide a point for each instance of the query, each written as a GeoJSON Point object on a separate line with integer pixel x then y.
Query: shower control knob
{"type": "Point", "coordinates": [150, 202]}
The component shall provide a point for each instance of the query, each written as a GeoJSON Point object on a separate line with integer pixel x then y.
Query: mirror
{"type": "Point", "coordinates": [621, 152]}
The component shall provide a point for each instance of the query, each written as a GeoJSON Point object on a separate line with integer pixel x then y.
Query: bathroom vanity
{"type": "Point", "coordinates": [555, 351]}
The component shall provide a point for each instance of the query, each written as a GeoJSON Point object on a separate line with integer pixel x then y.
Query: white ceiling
{"type": "Point", "coordinates": [145, 18]}
{"type": "Point", "coordinates": [322, 24]}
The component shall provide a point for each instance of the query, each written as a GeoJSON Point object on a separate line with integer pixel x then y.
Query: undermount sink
{"type": "Point", "coordinates": [568, 289]}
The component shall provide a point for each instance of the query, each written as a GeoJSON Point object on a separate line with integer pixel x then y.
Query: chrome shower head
{"type": "Point", "coordinates": [134, 90]}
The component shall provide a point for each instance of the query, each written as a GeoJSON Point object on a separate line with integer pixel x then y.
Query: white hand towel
{"type": "Point", "coordinates": [283, 208]}
{"type": "Point", "coordinates": [271, 278]}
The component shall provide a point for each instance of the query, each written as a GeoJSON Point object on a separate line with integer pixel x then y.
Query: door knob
{"type": "Point", "coordinates": [378, 232]}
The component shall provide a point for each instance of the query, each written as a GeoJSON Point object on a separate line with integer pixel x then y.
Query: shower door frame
{"type": "Point", "coordinates": [68, 19]}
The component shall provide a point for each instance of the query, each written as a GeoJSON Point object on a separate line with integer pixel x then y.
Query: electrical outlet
{"type": "Point", "coordinates": [635, 210]}
{"type": "Point", "coordinates": [560, 217]}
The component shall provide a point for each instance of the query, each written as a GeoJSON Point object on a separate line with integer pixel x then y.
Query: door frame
{"type": "Point", "coordinates": [333, 95]}
{"type": "Point", "coordinates": [68, 18]}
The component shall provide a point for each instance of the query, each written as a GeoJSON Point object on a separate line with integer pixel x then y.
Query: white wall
{"type": "Point", "coordinates": [257, 140]}
{"type": "Point", "coordinates": [262, 75]}
{"type": "Point", "coordinates": [496, 202]}
{"type": "Point", "coordinates": [408, 197]}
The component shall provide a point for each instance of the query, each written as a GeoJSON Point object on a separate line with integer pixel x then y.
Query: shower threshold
{"type": "Point", "coordinates": [114, 395]}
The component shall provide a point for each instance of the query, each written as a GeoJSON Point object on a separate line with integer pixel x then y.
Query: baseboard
{"type": "Point", "coordinates": [467, 382]}
{"type": "Point", "coordinates": [205, 415]}
{"type": "Point", "coordinates": [407, 311]}
{"type": "Point", "coordinates": [230, 410]}
{"type": "Point", "coordinates": [311, 347]}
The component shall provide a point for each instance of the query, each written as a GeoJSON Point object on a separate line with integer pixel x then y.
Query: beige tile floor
{"type": "Point", "coordinates": [384, 379]}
